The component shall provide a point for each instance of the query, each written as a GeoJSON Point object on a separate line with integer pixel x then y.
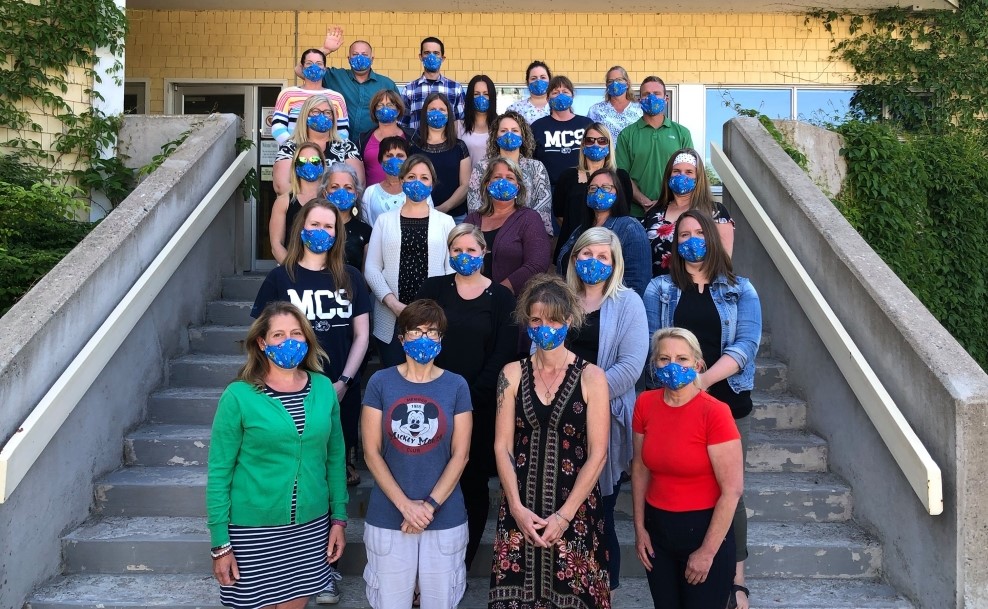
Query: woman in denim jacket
{"type": "Point", "coordinates": [724, 312]}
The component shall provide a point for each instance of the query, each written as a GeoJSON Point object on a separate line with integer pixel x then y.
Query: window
{"type": "Point", "coordinates": [135, 97]}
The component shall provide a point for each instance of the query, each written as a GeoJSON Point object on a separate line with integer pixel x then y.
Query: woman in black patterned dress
{"type": "Point", "coordinates": [550, 444]}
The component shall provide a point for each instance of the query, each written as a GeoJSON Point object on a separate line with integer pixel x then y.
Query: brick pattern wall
{"type": "Point", "coordinates": [713, 49]}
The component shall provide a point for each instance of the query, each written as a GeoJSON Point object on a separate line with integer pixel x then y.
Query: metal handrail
{"type": "Point", "coordinates": [38, 429]}
{"type": "Point", "coordinates": [913, 459]}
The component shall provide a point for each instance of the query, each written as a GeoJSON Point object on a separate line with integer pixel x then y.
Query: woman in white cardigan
{"type": "Point", "coordinates": [407, 246]}
{"type": "Point", "coordinates": [613, 338]}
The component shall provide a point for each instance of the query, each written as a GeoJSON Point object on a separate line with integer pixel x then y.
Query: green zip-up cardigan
{"type": "Point", "coordinates": [256, 455]}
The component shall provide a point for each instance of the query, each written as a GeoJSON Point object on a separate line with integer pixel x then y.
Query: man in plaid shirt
{"type": "Point", "coordinates": [432, 53]}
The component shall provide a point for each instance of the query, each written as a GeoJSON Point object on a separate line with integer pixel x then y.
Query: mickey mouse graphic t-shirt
{"type": "Point", "coordinates": [416, 441]}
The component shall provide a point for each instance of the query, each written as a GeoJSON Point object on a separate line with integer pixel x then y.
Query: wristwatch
{"type": "Point", "coordinates": [346, 380]}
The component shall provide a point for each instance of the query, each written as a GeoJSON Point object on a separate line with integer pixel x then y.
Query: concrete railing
{"type": "Point", "coordinates": [941, 392]}
{"type": "Point", "coordinates": [43, 336]}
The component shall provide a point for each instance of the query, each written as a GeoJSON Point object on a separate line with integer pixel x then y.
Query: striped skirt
{"type": "Point", "coordinates": [277, 564]}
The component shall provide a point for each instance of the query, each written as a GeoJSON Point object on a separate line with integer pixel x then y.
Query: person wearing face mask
{"type": "Point", "coordinates": [432, 53]}
{"type": "Point", "coordinates": [480, 339]}
{"type": "Point", "coordinates": [686, 480]}
{"type": "Point", "coordinates": [649, 143]}
{"type": "Point", "coordinates": [558, 137]}
{"type": "Point", "coordinates": [611, 338]}
{"type": "Point", "coordinates": [387, 195]}
{"type": "Point", "coordinates": [344, 192]}
{"type": "Point", "coordinates": [685, 187]}
{"type": "Point", "coordinates": [332, 294]}
{"type": "Point", "coordinates": [358, 83]}
{"type": "Point", "coordinates": [407, 246]}
{"type": "Point", "coordinates": [619, 108]}
{"type": "Point", "coordinates": [416, 425]}
{"type": "Point", "coordinates": [436, 139]}
{"type": "Point", "coordinates": [703, 295]}
{"type": "Point", "coordinates": [479, 111]}
{"type": "Point", "coordinates": [387, 109]}
{"type": "Point", "coordinates": [607, 206]}
{"type": "Point", "coordinates": [550, 445]}
{"type": "Point", "coordinates": [518, 246]}
{"type": "Point", "coordinates": [536, 106]}
{"type": "Point", "coordinates": [319, 128]}
{"type": "Point", "coordinates": [306, 184]}
{"type": "Point", "coordinates": [569, 198]}
{"type": "Point", "coordinates": [276, 496]}
{"type": "Point", "coordinates": [311, 69]}
{"type": "Point", "coordinates": [511, 138]}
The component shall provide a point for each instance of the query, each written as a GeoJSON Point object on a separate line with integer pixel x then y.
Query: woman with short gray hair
{"type": "Point", "coordinates": [344, 190]}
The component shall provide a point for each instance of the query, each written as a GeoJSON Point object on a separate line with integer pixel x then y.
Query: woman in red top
{"type": "Point", "coordinates": [686, 479]}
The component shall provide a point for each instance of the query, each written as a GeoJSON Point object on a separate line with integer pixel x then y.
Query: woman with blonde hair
{"type": "Point", "coordinates": [276, 495]}
{"type": "Point", "coordinates": [611, 338]}
{"type": "Point", "coordinates": [317, 123]}
{"type": "Point", "coordinates": [308, 165]}
{"type": "Point", "coordinates": [619, 108]}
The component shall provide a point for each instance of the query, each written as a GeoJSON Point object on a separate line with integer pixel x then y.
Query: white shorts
{"type": "Point", "coordinates": [395, 560]}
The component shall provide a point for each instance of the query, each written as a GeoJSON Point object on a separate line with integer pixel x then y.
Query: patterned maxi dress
{"type": "Point", "coordinates": [550, 448]}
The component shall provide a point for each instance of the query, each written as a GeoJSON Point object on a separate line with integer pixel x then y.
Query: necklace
{"type": "Point", "coordinates": [548, 388]}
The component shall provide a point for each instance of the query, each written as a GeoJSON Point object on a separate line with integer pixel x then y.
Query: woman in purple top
{"type": "Point", "coordinates": [518, 246]}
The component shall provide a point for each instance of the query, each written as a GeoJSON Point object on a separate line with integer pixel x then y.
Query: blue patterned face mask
{"type": "Point", "coordinates": [509, 140]}
{"type": "Point", "coordinates": [617, 88]}
{"type": "Point", "coordinates": [416, 190]}
{"type": "Point", "coordinates": [601, 200]}
{"type": "Point", "coordinates": [693, 249]}
{"type": "Point", "coordinates": [653, 105]}
{"type": "Point", "coordinates": [561, 102]}
{"type": "Point", "coordinates": [538, 87]}
{"type": "Point", "coordinates": [682, 184]}
{"type": "Point", "coordinates": [317, 240]}
{"type": "Point", "coordinates": [502, 190]}
{"type": "Point", "coordinates": [343, 199]}
{"type": "Point", "coordinates": [592, 271]}
{"type": "Point", "coordinates": [392, 166]}
{"type": "Point", "coordinates": [386, 114]}
{"type": "Point", "coordinates": [289, 354]}
{"type": "Point", "coordinates": [673, 376]}
{"type": "Point", "coordinates": [359, 63]}
{"type": "Point", "coordinates": [310, 172]}
{"type": "Point", "coordinates": [423, 349]}
{"type": "Point", "coordinates": [548, 338]}
{"type": "Point", "coordinates": [481, 103]}
{"type": "Point", "coordinates": [436, 118]}
{"type": "Point", "coordinates": [465, 264]}
{"type": "Point", "coordinates": [319, 123]}
{"type": "Point", "coordinates": [313, 72]}
{"type": "Point", "coordinates": [432, 62]}
{"type": "Point", "coordinates": [595, 152]}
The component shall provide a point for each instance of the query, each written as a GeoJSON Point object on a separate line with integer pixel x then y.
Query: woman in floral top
{"type": "Point", "coordinates": [684, 186]}
{"type": "Point", "coordinates": [536, 106]}
{"type": "Point", "coordinates": [619, 108]}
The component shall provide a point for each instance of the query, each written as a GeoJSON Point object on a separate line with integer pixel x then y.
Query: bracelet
{"type": "Point", "coordinates": [560, 516]}
{"type": "Point", "coordinates": [219, 547]}
{"type": "Point", "coordinates": [435, 504]}
{"type": "Point", "coordinates": [335, 522]}
{"type": "Point", "coordinates": [221, 553]}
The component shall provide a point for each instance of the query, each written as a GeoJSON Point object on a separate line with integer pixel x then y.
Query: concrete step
{"type": "Point", "coordinates": [229, 312]}
{"type": "Point", "coordinates": [204, 370]}
{"type": "Point", "coordinates": [771, 375]}
{"type": "Point", "coordinates": [181, 491]}
{"type": "Point", "coordinates": [194, 591]}
{"type": "Point", "coordinates": [181, 545]}
{"type": "Point", "coordinates": [242, 287]}
{"type": "Point", "coordinates": [777, 411]}
{"type": "Point", "coordinates": [217, 340]}
{"type": "Point", "coordinates": [785, 451]}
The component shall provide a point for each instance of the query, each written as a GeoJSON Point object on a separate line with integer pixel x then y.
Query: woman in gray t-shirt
{"type": "Point", "coordinates": [416, 426]}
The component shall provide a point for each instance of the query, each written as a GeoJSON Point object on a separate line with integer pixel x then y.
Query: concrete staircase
{"type": "Point", "coordinates": [146, 544]}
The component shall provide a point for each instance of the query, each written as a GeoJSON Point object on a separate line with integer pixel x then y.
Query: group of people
{"type": "Point", "coordinates": [507, 267]}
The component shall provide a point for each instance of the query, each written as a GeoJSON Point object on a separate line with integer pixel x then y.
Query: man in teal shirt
{"type": "Point", "coordinates": [358, 84]}
{"type": "Point", "coordinates": [645, 146]}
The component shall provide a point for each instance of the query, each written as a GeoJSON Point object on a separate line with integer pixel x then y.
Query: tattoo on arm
{"type": "Point", "coordinates": [502, 386]}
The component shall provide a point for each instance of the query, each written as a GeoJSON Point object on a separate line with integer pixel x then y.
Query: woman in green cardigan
{"type": "Point", "coordinates": [276, 496]}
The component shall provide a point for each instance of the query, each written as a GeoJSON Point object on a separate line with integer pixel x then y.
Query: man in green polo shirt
{"type": "Point", "coordinates": [644, 147]}
{"type": "Point", "coordinates": [358, 84]}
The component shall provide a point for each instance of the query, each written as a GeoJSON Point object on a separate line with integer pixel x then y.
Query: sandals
{"type": "Point", "coordinates": [732, 602]}
{"type": "Point", "coordinates": [352, 477]}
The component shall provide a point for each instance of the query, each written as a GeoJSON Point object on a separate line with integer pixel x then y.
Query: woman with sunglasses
{"type": "Point", "coordinates": [619, 108]}
{"type": "Point", "coordinates": [306, 184]}
{"type": "Point", "coordinates": [536, 106]}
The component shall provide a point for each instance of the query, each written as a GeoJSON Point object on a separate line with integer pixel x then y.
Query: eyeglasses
{"type": "Point", "coordinates": [613, 80]}
{"type": "Point", "coordinates": [604, 187]}
{"type": "Point", "coordinates": [326, 113]}
{"type": "Point", "coordinates": [415, 333]}
{"type": "Point", "coordinates": [600, 141]}
{"type": "Point", "coordinates": [302, 160]}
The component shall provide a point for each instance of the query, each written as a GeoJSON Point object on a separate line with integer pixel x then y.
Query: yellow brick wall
{"type": "Point", "coordinates": [712, 49]}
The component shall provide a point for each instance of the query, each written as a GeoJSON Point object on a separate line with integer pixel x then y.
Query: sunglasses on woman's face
{"type": "Point", "coordinates": [302, 160]}
{"type": "Point", "coordinates": [600, 141]}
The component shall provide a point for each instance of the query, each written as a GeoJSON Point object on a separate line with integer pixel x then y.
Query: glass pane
{"type": "Point", "coordinates": [822, 105]}
{"type": "Point", "coordinates": [721, 104]}
{"type": "Point", "coordinates": [586, 97]}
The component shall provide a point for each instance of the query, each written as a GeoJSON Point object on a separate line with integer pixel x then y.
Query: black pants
{"type": "Point", "coordinates": [476, 476]}
{"type": "Point", "coordinates": [350, 416]}
{"type": "Point", "coordinates": [676, 535]}
{"type": "Point", "coordinates": [611, 539]}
